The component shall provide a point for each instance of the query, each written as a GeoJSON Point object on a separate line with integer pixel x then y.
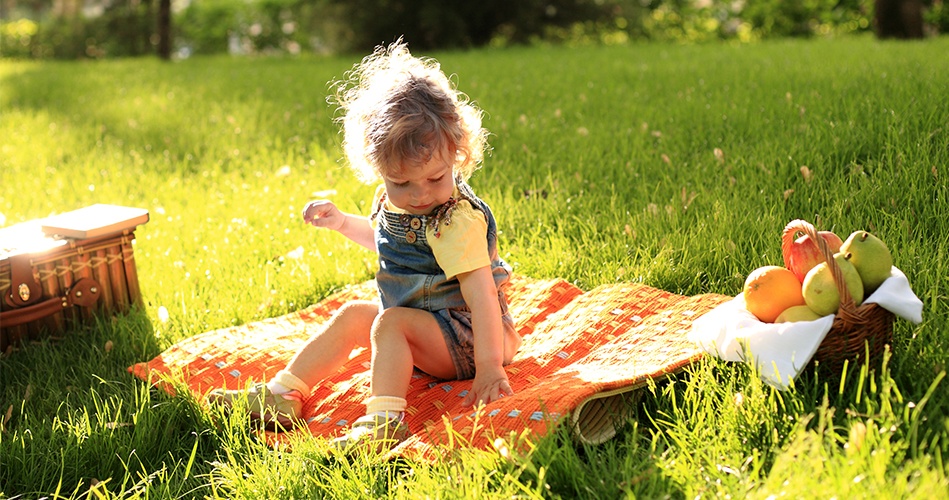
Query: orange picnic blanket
{"type": "Point", "coordinates": [583, 356]}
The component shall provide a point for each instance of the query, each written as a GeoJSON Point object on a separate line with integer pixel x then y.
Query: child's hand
{"type": "Point", "coordinates": [489, 385]}
{"type": "Point", "coordinates": [323, 213]}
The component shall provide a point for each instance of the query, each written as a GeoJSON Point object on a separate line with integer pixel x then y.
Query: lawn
{"type": "Point", "coordinates": [669, 165]}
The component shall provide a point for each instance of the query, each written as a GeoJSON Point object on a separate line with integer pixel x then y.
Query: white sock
{"type": "Point", "coordinates": [284, 382]}
{"type": "Point", "coordinates": [388, 407]}
{"type": "Point", "coordinates": [277, 388]}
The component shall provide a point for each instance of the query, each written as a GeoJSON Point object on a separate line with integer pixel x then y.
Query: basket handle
{"type": "Point", "coordinates": [802, 226]}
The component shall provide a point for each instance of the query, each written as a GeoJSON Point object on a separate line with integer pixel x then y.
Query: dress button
{"type": "Point", "coordinates": [405, 219]}
{"type": "Point", "coordinates": [410, 236]}
{"type": "Point", "coordinates": [415, 223]}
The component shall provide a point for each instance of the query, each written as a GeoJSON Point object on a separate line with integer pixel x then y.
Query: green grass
{"type": "Point", "coordinates": [603, 169]}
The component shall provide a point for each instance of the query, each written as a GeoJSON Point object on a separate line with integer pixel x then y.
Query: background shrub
{"type": "Point", "coordinates": [356, 26]}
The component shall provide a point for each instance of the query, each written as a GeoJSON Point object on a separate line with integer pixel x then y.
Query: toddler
{"type": "Point", "coordinates": [440, 279]}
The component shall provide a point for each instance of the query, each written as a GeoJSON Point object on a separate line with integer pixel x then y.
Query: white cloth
{"type": "Point", "coordinates": [781, 350]}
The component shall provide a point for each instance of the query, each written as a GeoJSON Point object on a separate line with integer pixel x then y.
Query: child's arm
{"type": "Point", "coordinates": [481, 295]}
{"type": "Point", "coordinates": [323, 213]}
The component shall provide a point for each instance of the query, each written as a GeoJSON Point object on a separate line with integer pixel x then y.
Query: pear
{"type": "Point", "coordinates": [794, 314]}
{"type": "Point", "coordinates": [870, 256]}
{"type": "Point", "coordinates": [820, 290]}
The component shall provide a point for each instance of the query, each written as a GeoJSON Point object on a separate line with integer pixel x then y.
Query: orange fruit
{"type": "Point", "coordinates": [769, 290]}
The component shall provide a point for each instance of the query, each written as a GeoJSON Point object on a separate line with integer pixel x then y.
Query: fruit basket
{"type": "Point", "coordinates": [858, 331]}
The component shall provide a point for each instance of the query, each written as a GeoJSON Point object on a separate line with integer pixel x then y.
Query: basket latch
{"type": "Point", "coordinates": [24, 289]}
{"type": "Point", "coordinates": [84, 292]}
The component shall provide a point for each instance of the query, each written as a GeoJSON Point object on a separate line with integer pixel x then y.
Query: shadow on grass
{"type": "Point", "coordinates": [77, 418]}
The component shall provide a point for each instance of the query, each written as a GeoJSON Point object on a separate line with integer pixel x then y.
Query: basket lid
{"type": "Point", "coordinates": [26, 237]}
{"type": "Point", "coordinates": [42, 235]}
{"type": "Point", "coordinates": [95, 220]}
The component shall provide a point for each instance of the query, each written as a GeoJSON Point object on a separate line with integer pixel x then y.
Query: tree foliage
{"type": "Point", "coordinates": [130, 28]}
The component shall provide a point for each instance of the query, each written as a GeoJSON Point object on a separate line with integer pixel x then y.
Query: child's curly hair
{"type": "Point", "coordinates": [399, 110]}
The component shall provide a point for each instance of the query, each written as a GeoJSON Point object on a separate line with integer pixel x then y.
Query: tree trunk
{"type": "Point", "coordinates": [133, 26]}
{"type": "Point", "coordinates": [148, 29]}
{"type": "Point", "coordinates": [899, 18]}
{"type": "Point", "coordinates": [164, 29]}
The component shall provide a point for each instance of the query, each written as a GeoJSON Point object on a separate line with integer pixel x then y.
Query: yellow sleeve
{"type": "Point", "coordinates": [463, 245]}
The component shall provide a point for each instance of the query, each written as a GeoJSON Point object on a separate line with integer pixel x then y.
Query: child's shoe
{"type": "Point", "coordinates": [263, 404]}
{"type": "Point", "coordinates": [375, 431]}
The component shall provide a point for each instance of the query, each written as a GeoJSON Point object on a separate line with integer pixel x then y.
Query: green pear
{"type": "Point", "coordinates": [870, 256]}
{"type": "Point", "coordinates": [794, 314]}
{"type": "Point", "coordinates": [820, 290]}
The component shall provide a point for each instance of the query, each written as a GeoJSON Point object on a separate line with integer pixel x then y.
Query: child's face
{"type": "Point", "coordinates": [420, 190]}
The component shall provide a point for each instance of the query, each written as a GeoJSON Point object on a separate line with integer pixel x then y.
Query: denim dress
{"type": "Point", "coordinates": [409, 276]}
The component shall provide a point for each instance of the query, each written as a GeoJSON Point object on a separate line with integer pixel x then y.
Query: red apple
{"type": "Point", "coordinates": [804, 253]}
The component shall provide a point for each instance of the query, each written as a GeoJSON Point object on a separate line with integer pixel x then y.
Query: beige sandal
{"type": "Point", "coordinates": [262, 404]}
{"type": "Point", "coordinates": [384, 433]}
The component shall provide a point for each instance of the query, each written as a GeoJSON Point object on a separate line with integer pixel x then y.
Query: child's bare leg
{"type": "Point", "coordinates": [281, 399]}
{"type": "Point", "coordinates": [329, 348]}
{"type": "Point", "coordinates": [402, 338]}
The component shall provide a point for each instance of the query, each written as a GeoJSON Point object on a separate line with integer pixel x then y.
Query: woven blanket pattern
{"type": "Point", "coordinates": [583, 354]}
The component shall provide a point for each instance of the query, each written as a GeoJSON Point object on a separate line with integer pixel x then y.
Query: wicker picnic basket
{"type": "Point", "coordinates": [859, 330]}
{"type": "Point", "coordinates": [52, 282]}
